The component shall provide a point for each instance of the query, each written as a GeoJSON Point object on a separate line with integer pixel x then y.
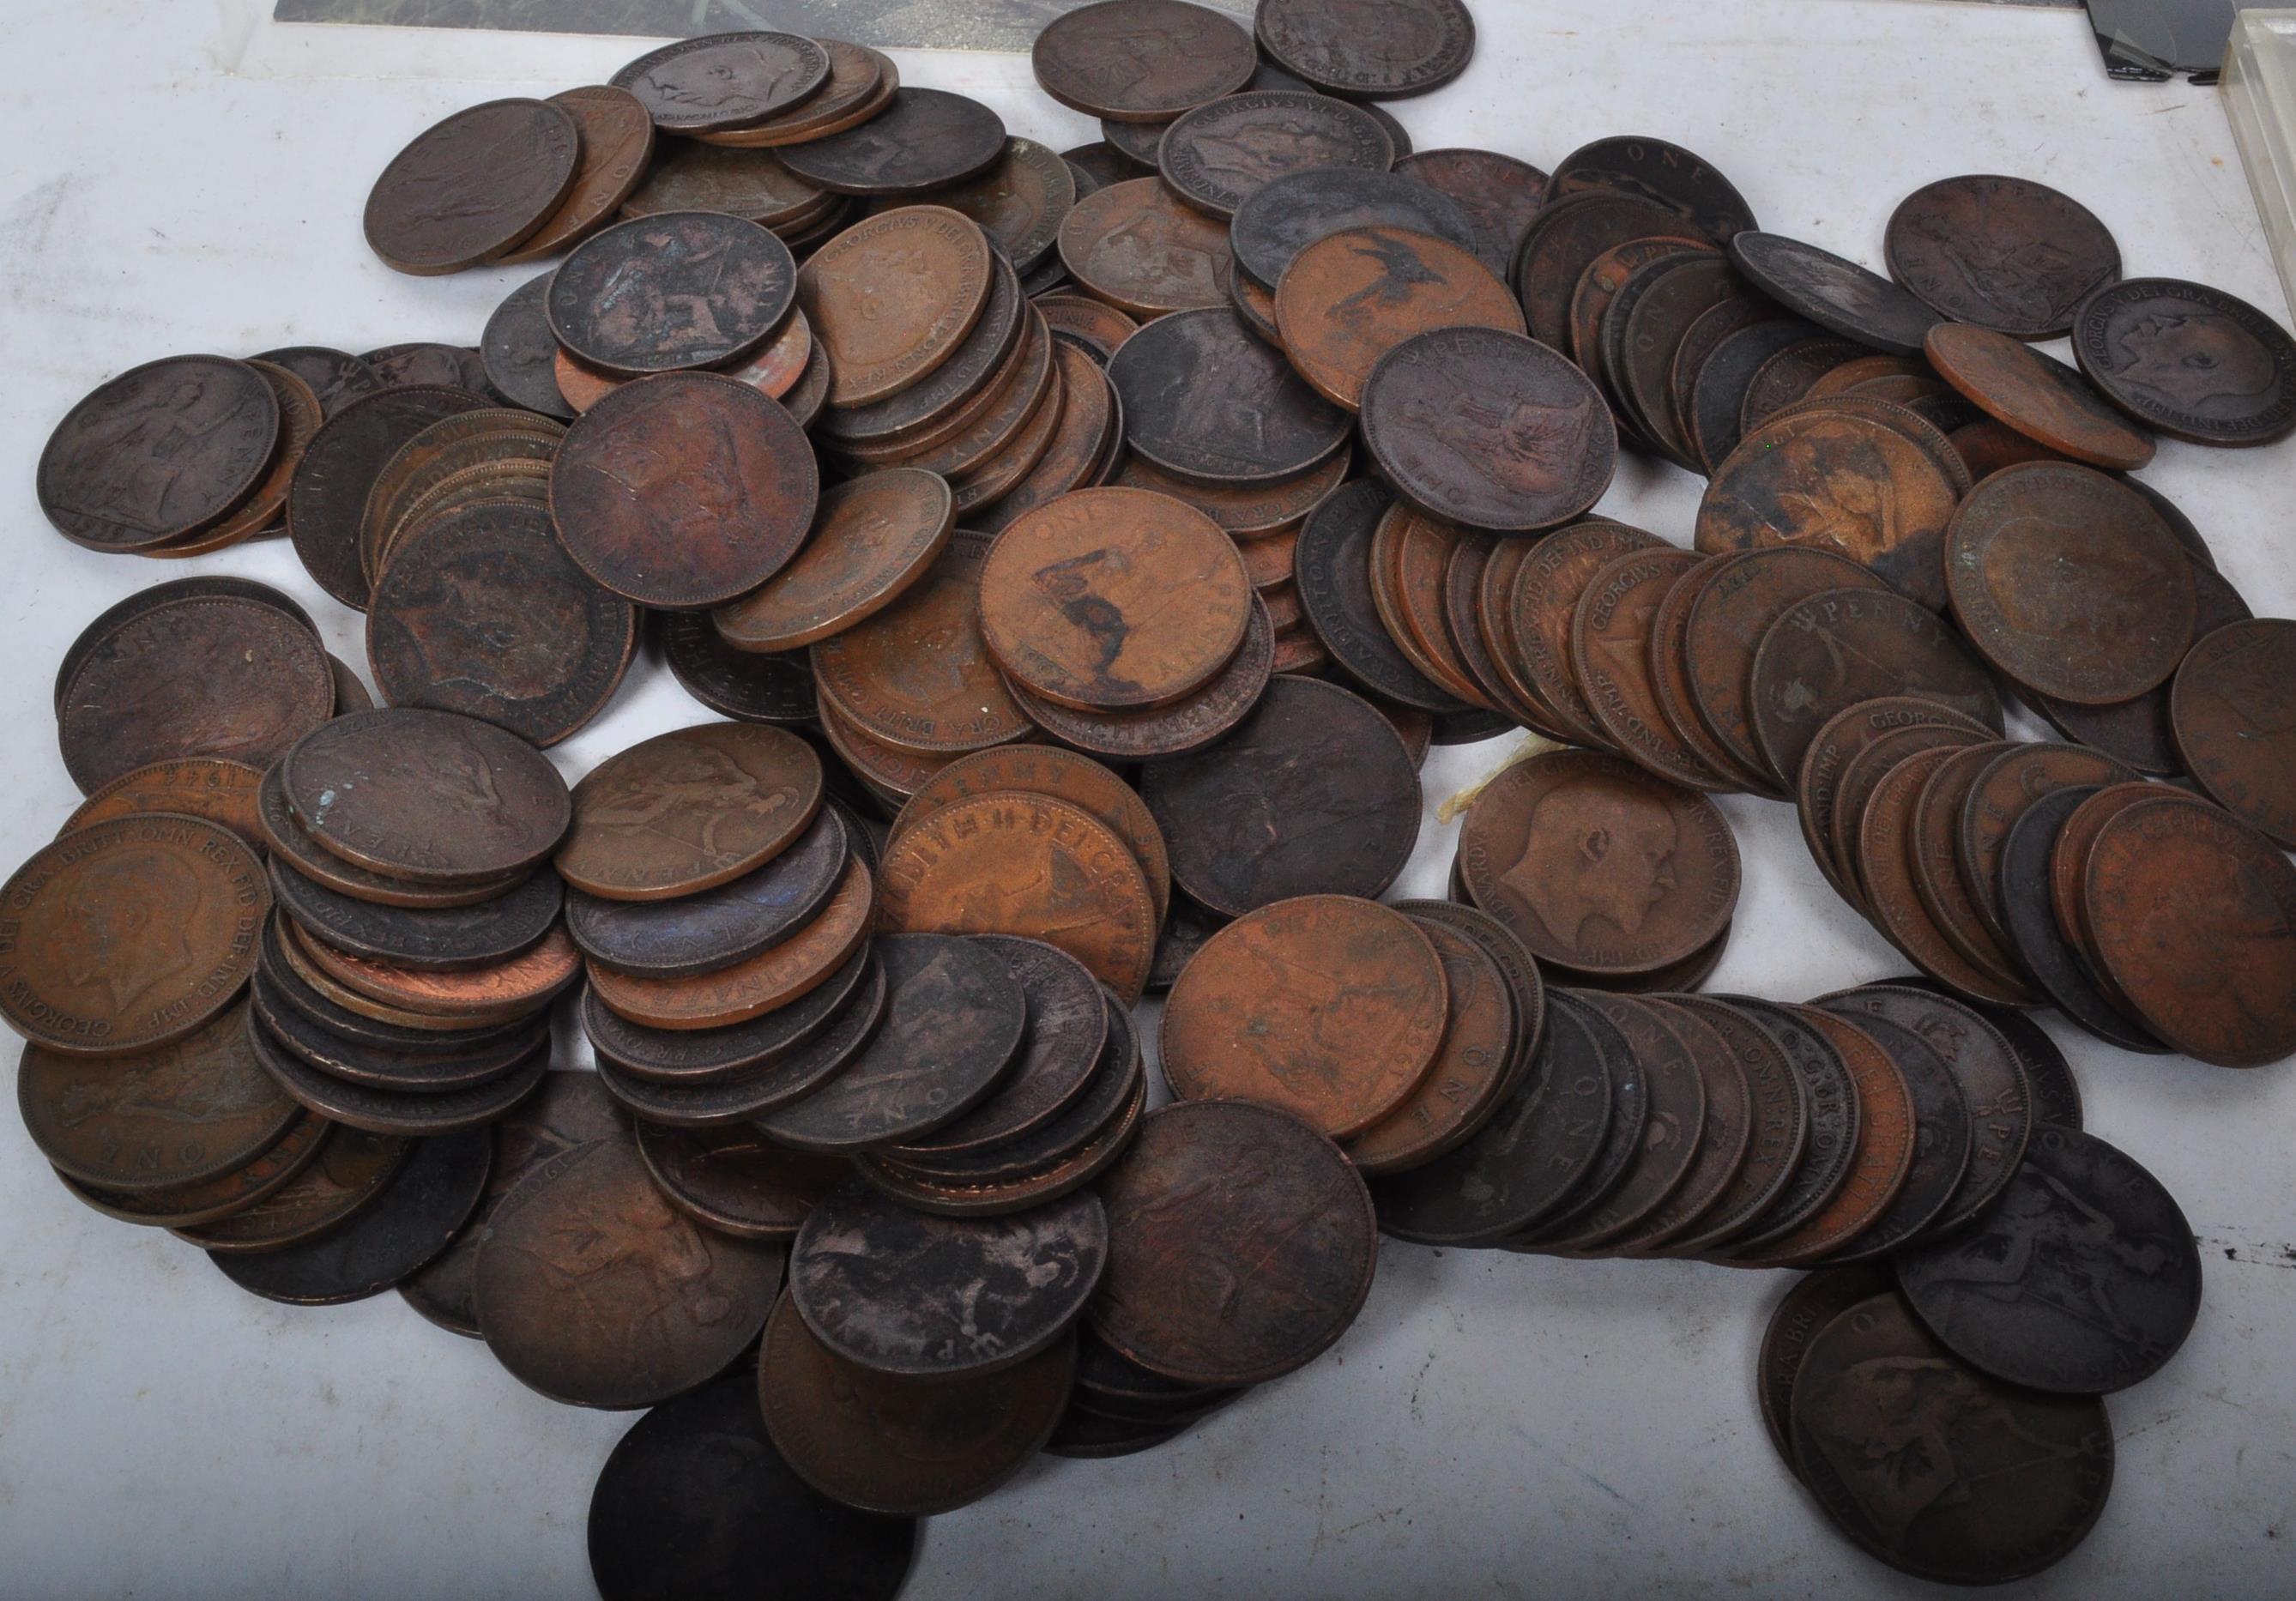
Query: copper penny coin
{"type": "Point", "coordinates": [337, 377]}
{"type": "Point", "coordinates": [1312, 793]}
{"type": "Point", "coordinates": [159, 453]}
{"type": "Point", "coordinates": [688, 811]}
{"type": "Point", "coordinates": [1384, 51]}
{"type": "Point", "coordinates": [1113, 598]}
{"type": "Point", "coordinates": [1092, 326]}
{"type": "Point", "coordinates": [1718, 1144]}
{"type": "Point", "coordinates": [594, 1290]}
{"type": "Point", "coordinates": [1138, 247]}
{"type": "Point", "coordinates": [1188, 724]}
{"type": "Point", "coordinates": [753, 687]}
{"type": "Point", "coordinates": [2068, 873]}
{"type": "Point", "coordinates": [213, 787]}
{"type": "Point", "coordinates": [483, 612]}
{"type": "Point", "coordinates": [1821, 791]}
{"type": "Point", "coordinates": [129, 933]}
{"type": "Point", "coordinates": [2189, 361]}
{"type": "Point", "coordinates": [1808, 1306]}
{"type": "Point", "coordinates": [1499, 193]}
{"type": "Point", "coordinates": [1665, 1147]}
{"type": "Point", "coordinates": [1066, 1030]}
{"type": "Point", "coordinates": [286, 1028]}
{"type": "Point", "coordinates": [1014, 862]}
{"type": "Point", "coordinates": [684, 1057]}
{"type": "Point", "coordinates": [1565, 239]}
{"type": "Point", "coordinates": [1964, 899]}
{"type": "Point", "coordinates": [1833, 1114]}
{"type": "Point", "coordinates": [1352, 296]}
{"type": "Point", "coordinates": [1850, 1379]}
{"type": "Point", "coordinates": [259, 514]}
{"type": "Point", "coordinates": [680, 289]}
{"type": "Point", "coordinates": [472, 186]}
{"type": "Point", "coordinates": [1598, 866]}
{"type": "Point", "coordinates": [1411, 556]}
{"type": "Point", "coordinates": [617, 143]}
{"type": "Point", "coordinates": [1600, 285]}
{"type": "Point", "coordinates": [1839, 296]}
{"type": "Point", "coordinates": [189, 1205]}
{"type": "Point", "coordinates": [1863, 774]}
{"type": "Point", "coordinates": [348, 1172]}
{"type": "Point", "coordinates": [1242, 1194]}
{"type": "Point", "coordinates": [1714, 380]}
{"type": "Point", "coordinates": [1475, 1063]}
{"type": "Point", "coordinates": [1829, 651]}
{"type": "Point", "coordinates": [1141, 60]}
{"type": "Point", "coordinates": [2049, 1080]}
{"type": "Point", "coordinates": [2228, 710]}
{"type": "Point", "coordinates": [1888, 871]}
{"type": "Point", "coordinates": [495, 993]}
{"type": "Point", "coordinates": [892, 297]}
{"type": "Point", "coordinates": [2001, 793]}
{"type": "Point", "coordinates": [735, 1181]}
{"type": "Point", "coordinates": [2139, 732]}
{"type": "Point", "coordinates": [1088, 441]}
{"type": "Point", "coordinates": [443, 939]}
{"type": "Point", "coordinates": [2036, 394]}
{"type": "Point", "coordinates": [1286, 214]}
{"type": "Point", "coordinates": [1986, 447]}
{"type": "Point", "coordinates": [1206, 401]}
{"type": "Point", "coordinates": [1790, 374]}
{"type": "Point", "coordinates": [521, 352]}
{"type": "Point", "coordinates": [1622, 1140]}
{"type": "Point", "coordinates": [749, 184]}
{"type": "Point", "coordinates": [327, 501]}
{"type": "Point", "coordinates": [1544, 598]}
{"type": "Point", "coordinates": [2192, 915]}
{"type": "Point", "coordinates": [1328, 1007]}
{"type": "Point", "coordinates": [935, 410]}
{"type": "Point", "coordinates": [1612, 644]}
{"type": "Point", "coordinates": [924, 139]}
{"type": "Point", "coordinates": [2070, 583]}
{"type": "Point", "coordinates": [1220, 153]}
{"type": "Point", "coordinates": [1653, 323]}
{"type": "Point", "coordinates": [1672, 680]}
{"type": "Point", "coordinates": [861, 80]}
{"type": "Point", "coordinates": [1489, 429]}
{"type": "Point", "coordinates": [1652, 168]}
{"type": "Point", "coordinates": [2028, 915]}
{"type": "Point", "coordinates": [281, 833]}
{"type": "Point", "coordinates": [1944, 1133]}
{"type": "Point", "coordinates": [426, 363]}
{"type": "Point", "coordinates": [1783, 1126]}
{"type": "Point", "coordinates": [726, 80]}
{"type": "Point", "coordinates": [2000, 253]}
{"type": "Point", "coordinates": [1881, 1154]}
{"type": "Point", "coordinates": [730, 484]}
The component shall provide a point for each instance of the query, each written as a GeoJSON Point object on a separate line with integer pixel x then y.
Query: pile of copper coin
{"type": "Point", "coordinates": [1079, 553]}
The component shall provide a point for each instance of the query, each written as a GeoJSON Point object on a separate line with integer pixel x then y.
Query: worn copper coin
{"type": "Point", "coordinates": [1782, 1120]}
{"type": "Point", "coordinates": [426, 361]}
{"type": "Point", "coordinates": [1489, 429]}
{"type": "Point", "coordinates": [327, 501]}
{"type": "Point", "coordinates": [1596, 865]}
{"type": "Point", "coordinates": [1188, 724]}
{"type": "Point", "coordinates": [442, 940]}
{"type": "Point", "coordinates": [1499, 193]}
{"type": "Point", "coordinates": [1823, 794]}
{"type": "Point", "coordinates": [735, 1181]}
{"type": "Point", "coordinates": [1964, 900]}
{"type": "Point", "coordinates": [1666, 1146]}
{"type": "Point", "coordinates": [521, 352]}
{"type": "Point", "coordinates": [2231, 712]}
{"type": "Point", "coordinates": [1093, 326]}
{"type": "Point", "coordinates": [510, 988]}
{"type": "Point", "coordinates": [1652, 169]}
{"type": "Point", "coordinates": [680, 289]}
{"type": "Point", "coordinates": [2001, 253]}
{"type": "Point", "coordinates": [689, 810]}
{"type": "Point", "coordinates": [749, 184]}
{"type": "Point", "coordinates": [861, 80]}
{"type": "Point", "coordinates": [2139, 732]}
{"type": "Point", "coordinates": [1066, 1029]}
{"type": "Point", "coordinates": [2000, 794]}
{"type": "Point", "coordinates": [1808, 1306]}
{"type": "Point", "coordinates": [1672, 677]}
{"type": "Point", "coordinates": [2036, 394]}
{"type": "Point", "coordinates": [1283, 217]}
{"type": "Point", "coordinates": [1719, 1144]}
{"type": "Point", "coordinates": [962, 390]}
{"type": "Point", "coordinates": [1713, 381]}
{"type": "Point", "coordinates": [1886, 866]}
{"type": "Point", "coordinates": [753, 687]}
{"type": "Point", "coordinates": [1790, 374]}
{"type": "Point", "coordinates": [894, 297]}
{"type": "Point", "coordinates": [472, 186]}
{"type": "Point", "coordinates": [1085, 446]}
{"type": "Point", "coordinates": [2049, 1080]}
{"type": "Point", "coordinates": [1621, 1142]}
{"type": "Point", "coordinates": [213, 787]}
{"type": "Point", "coordinates": [1881, 1153]}
{"type": "Point", "coordinates": [1834, 1118]}
{"type": "Point", "coordinates": [258, 514]}
{"type": "Point", "coordinates": [347, 1172]}
{"type": "Point", "coordinates": [1944, 1135]}
{"type": "Point", "coordinates": [286, 837]}
{"type": "Point", "coordinates": [923, 140]}
{"type": "Point", "coordinates": [1350, 297]}
{"type": "Point", "coordinates": [186, 1206]}
{"type": "Point", "coordinates": [685, 1057]}
{"type": "Point", "coordinates": [2042, 949]}
{"type": "Point", "coordinates": [617, 143]}
{"type": "Point", "coordinates": [2190, 361]}
{"type": "Point", "coordinates": [1141, 60]}
{"type": "Point", "coordinates": [1837, 295]}
{"type": "Point", "coordinates": [1138, 247]}
{"type": "Point", "coordinates": [726, 80]}
{"type": "Point", "coordinates": [1219, 154]}
{"type": "Point", "coordinates": [1411, 556]}
{"type": "Point", "coordinates": [1655, 314]}
{"type": "Point", "coordinates": [1543, 600]}
{"type": "Point", "coordinates": [1611, 654]}
{"type": "Point", "coordinates": [1367, 53]}
{"type": "Point", "coordinates": [337, 377]}
{"type": "Point", "coordinates": [1565, 238]}
{"type": "Point", "coordinates": [1475, 1064]}
{"type": "Point", "coordinates": [1205, 400]}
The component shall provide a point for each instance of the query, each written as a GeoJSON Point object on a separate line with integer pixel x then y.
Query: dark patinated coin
{"type": "Point", "coordinates": [2082, 1279]}
{"type": "Point", "coordinates": [1943, 1135]}
{"type": "Point", "coordinates": [1720, 1143]}
{"type": "Point", "coordinates": [470, 187]}
{"type": "Point", "coordinates": [1113, 1086]}
{"type": "Point", "coordinates": [1565, 239]}
{"type": "Point", "coordinates": [280, 832]}
{"type": "Point", "coordinates": [2029, 914]}
{"type": "Point", "coordinates": [327, 501]}
{"type": "Point", "coordinates": [1205, 399]}
{"type": "Point", "coordinates": [976, 1294]}
{"type": "Point", "coordinates": [684, 492]}
{"type": "Point", "coordinates": [445, 939]}
{"type": "Point", "coordinates": [726, 80]}
{"type": "Point", "coordinates": [748, 184]}
{"type": "Point", "coordinates": [438, 1063]}
{"type": "Point", "coordinates": [337, 377]}
{"type": "Point", "coordinates": [696, 1502]}
{"type": "Point", "coordinates": [346, 1171]}
{"type": "Point", "coordinates": [414, 1218]}
{"type": "Point", "coordinates": [426, 795]}
{"type": "Point", "coordinates": [2003, 253]}
{"type": "Point", "coordinates": [1781, 1114]}
{"type": "Point", "coordinates": [1714, 370]}
{"type": "Point", "coordinates": [1283, 216]}
{"type": "Point", "coordinates": [1837, 295]}
{"type": "Point", "coordinates": [1489, 429]}
{"type": "Point", "coordinates": [736, 1181]}
{"type": "Point", "coordinates": [1666, 1143]}
{"type": "Point", "coordinates": [1140, 248]}
{"type": "Point", "coordinates": [2049, 1080]}
{"type": "Point", "coordinates": [685, 289]}
{"type": "Point", "coordinates": [408, 1106]}
{"type": "Point", "coordinates": [2231, 710]}
{"type": "Point", "coordinates": [742, 1051]}
{"type": "Point", "coordinates": [1499, 193]}
{"type": "Point", "coordinates": [1835, 1115]}
{"type": "Point", "coordinates": [924, 139]}
{"type": "Point", "coordinates": [2140, 732]}
{"type": "Point", "coordinates": [1368, 53]}
{"type": "Point", "coordinates": [483, 613]}
{"type": "Point", "coordinates": [2040, 398]}
{"type": "Point", "coordinates": [1873, 1376]}
{"type": "Point", "coordinates": [1141, 60]}
{"type": "Point", "coordinates": [596, 1292]}
{"type": "Point", "coordinates": [699, 933]}
{"type": "Point", "coordinates": [159, 453]}
{"type": "Point", "coordinates": [2193, 362]}
{"type": "Point", "coordinates": [1477, 1062]}
{"type": "Point", "coordinates": [1654, 170]}
{"type": "Point", "coordinates": [1067, 1028]}
{"type": "Point", "coordinates": [1313, 792]}
{"type": "Point", "coordinates": [1812, 1302]}
{"type": "Point", "coordinates": [756, 686]}
{"type": "Point", "coordinates": [1220, 154]}
{"type": "Point", "coordinates": [424, 362]}
{"type": "Point", "coordinates": [521, 352]}
{"type": "Point", "coordinates": [618, 142]}
{"type": "Point", "coordinates": [2000, 794]}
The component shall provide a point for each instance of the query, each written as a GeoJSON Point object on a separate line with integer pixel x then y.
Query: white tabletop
{"type": "Point", "coordinates": [188, 177]}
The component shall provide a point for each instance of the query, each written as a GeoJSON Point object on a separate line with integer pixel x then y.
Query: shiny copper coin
{"type": "Point", "coordinates": [920, 141]}
{"type": "Point", "coordinates": [1887, 871]}
{"type": "Point", "coordinates": [472, 186]}
{"type": "Point", "coordinates": [1351, 297]}
{"type": "Point", "coordinates": [1136, 246]}
{"type": "Point", "coordinates": [2231, 713]}
{"type": "Point", "coordinates": [1611, 653]}
{"type": "Point", "coordinates": [1141, 60]}
{"type": "Point", "coordinates": [2039, 397]}
{"type": "Point", "coordinates": [426, 795]}
{"type": "Point", "coordinates": [1544, 600]}
{"type": "Point", "coordinates": [2193, 362]}
{"type": "Point", "coordinates": [617, 143]}
{"type": "Point", "coordinates": [688, 811]}
{"type": "Point", "coordinates": [1471, 1067]}
{"type": "Point", "coordinates": [1598, 866]}
{"type": "Point", "coordinates": [213, 787]}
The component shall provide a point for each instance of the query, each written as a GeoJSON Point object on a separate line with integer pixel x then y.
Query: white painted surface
{"type": "Point", "coordinates": [186, 177]}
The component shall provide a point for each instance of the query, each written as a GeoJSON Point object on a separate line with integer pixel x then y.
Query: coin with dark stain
{"type": "Point", "coordinates": [1206, 400]}
{"type": "Point", "coordinates": [1652, 169]}
{"type": "Point", "coordinates": [443, 939]}
{"type": "Point", "coordinates": [1141, 60]}
{"type": "Point", "coordinates": [735, 1180]}
{"type": "Point", "coordinates": [2231, 707]}
{"type": "Point", "coordinates": [521, 352]}
{"type": "Point", "coordinates": [726, 80]}
{"type": "Point", "coordinates": [743, 1050]}
{"type": "Point", "coordinates": [2003, 253]}
{"type": "Point", "coordinates": [1808, 1306]}
{"type": "Point", "coordinates": [337, 377]}
{"type": "Point", "coordinates": [159, 453]}
{"type": "Point", "coordinates": [1289, 213]}
{"type": "Point", "coordinates": [327, 502]}
{"type": "Point", "coordinates": [2040, 398]}
{"type": "Point", "coordinates": [923, 140]}
{"type": "Point", "coordinates": [754, 686]}
{"type": "Point", "coordinates": [1067, 1027]}
{"type": "Point", "coordinates": [892, 299]}
{"type": "Point", "coordinates": [617, 144]}
{"type": "Point", "coordinates": [2190, 361]}
{"type": "Point", "coordinates": [682, 289]}
{"type": "Point", "coordinates": [2028, 915]}
{"type": "Point", "coordinates": [1836, 294]}
{"type": "Point", "coordinates": [472, 186]}
{"type": "Point", "coordinates": [1141, 248]}
{"type": "Point", "coordinates": [1489, 429]}
{"type": "Point", "coordinates": [1220, 153]}
{"type": "Point", "coordinates": [1565, 238]}
{"type": "Point", "coordinates": [1350, 297]}
{"type": "Point", "coordinates": [1313, 792]}
{"type": "Point", "coordinates": [1368, 53]}
{"type": "Point", "coordinates": [1188, 724]}
{"type": "Point", "coordinates": [1499, 193]}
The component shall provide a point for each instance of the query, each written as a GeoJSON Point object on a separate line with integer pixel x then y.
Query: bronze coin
{"type": "Point", "coordinates": [433, 1111]}
{"type": "Point", "coordinates": [1463, 619]}
{"type": "Point", "coordinates": [1472, 1068]}
{"type": "Point", "coordinates": [1655, 324]}
{"type": "Point", "coordinates": [1897, 419]}
{"type": "Point", "coordinates": [923, 140]}
{"type": "Point", "coordinates": [1285, 215]}
{"type": "Point", "coordinates": [1188, 724]}
{"type": "Point", "coordinates": [1544, 598]}
{"type": "Point", "coordinates": [158, 1118]}
{"type": "Point", "coordinates": [443, 939]}
{"type": "Point", "coordinates": [1383, 51]}
{"type": "Point", "coordinates": [159, 453]}
{"type": "Point", "coordinates": [1019, 202]}
{"type": "Point", "coordinates": [1499, 193]}
{"type": "Point", "coordinates": [2059, 970]}
{"type": "Point", "coordinates": [511, 988]}
{"type": "Point", "coordinates": [2036, 394]}
{"type": "Point", "coordinates": [683, 1058]}
{"type": "Point", "coordinates": [327, 501]}
{"type": "Point", "coordinates": [1663, 1149]}
{"type": "Point", "coordinates": [426, 795]}
{"type": "Point", "coordinates": [483, 613]}
{"type": "Point", "coordinates": [1092, 326]}
{"type": "Point", "coordinates": [1652, 169]}
{"type": "Point", "coordinates": [1864, 772]}
{"type": "Point", "coordinates": [283, 835]}
{"type": "Point", "coordinates": [1674, 682]}
{"type": "Point", "coordinates": [2000, 794]}
{"type": "Point", "coordinates": [1227, 1192]}
{"type": "Point", "coordinates": [2068, 874]}
{"type": "Point", "coordinates": [1088, 436]}
{"type": "Point", "coordinates": [1141, 60]}
{"type": "Point", "coordinates": [1411, 556]}
{"type": "Point", "coordinates": [861, 81]}
{"type": "Point", "coordinates": [1715, 380]}
{"type": "Point", "coordinates": [1888, 869]}
{"type": "Point", "coordinates": [1331, 565]}
{"type": "Point", "coordinates": [805, 400]}
{"type": "Point", "coordinates": [350, 695]}
{"type": "Point", "coordinates": [2193, 915]}
{"type": "Point", "coordinates": [726, 80]}
{"type": "Point", "coordinates": [1328, 1007]}
{"type": "Point", "coordinates": [1064, 775]}
{"type": "Point", "coordinates": [129, 933]}
{"type": "Point", "coordinates": [1489, 429]}
{"type": "Point", "coordinates": [594, 1290]}
{"type": "Point", "coordinates": [1066, 1030]}
{"type": "Point", "coordinates": [1219, 154]}
{"type": "Point", "coordinates": [1838, 295]}
{"type": "Point", "coordinates": [1784, 1116]}
{"type": "Point", "coordinates": [890, 774]}
{"type": "Point", "coordinates": [893, 297]}
{"type": "Point", "coordinates": [1596, 866]}
{"type": "Point", "coordinates": [617, 143]}
{"type": "Point", "coordinates": [1718, 1144]}
{"type": "Point", "coordinates": [1312, 793]}
{"type": "Point", "coordinates": [1612, 644]}
{"type": "Point", "coordinates": [440, 1063]}
{"type": "Point", "coordinates": [2229, 709]}
{"type": "Point", "coordinates": [2191, 362]}
{"type": "Point", "coordinates": [1565, 239]}
{"type": "Point", "coordinates": [950, 699]}
{"type": "Point", "coordinates": [1350, 297]}
{"type": "Point", "coordinates": [258, 516]}
{"type": "Point", "coordinates": [689, 810]}
{"type": "Point", "coordinates": [349, 1172]}
{"type": "Point", "coordinates": [472, 447]}
{"type": "Point", "coordinates": [2070, 583]}
{"type": "Point", "coordinates": [1113, 598]}
{"type": "Point", "coordinates": [1833, 649]}
{"type": "Point", "coordinates": [2139, 732]}
{"type": "Point", "coordinates": [1138, 247]}
{"type": "Point", "coordinates": [337, 377]}
{"type": "Point", "coordinates": [2001, 253]}
{"type": "Point", "coordinates": [1206, 401]}
{"type": "Point", "coordinates": [287, 957]}
{"type": "Point", "coordinates": [1822, 791]}
{"type": "Point", "coordinates": [1881, 1154]}
{"type": "Point", "coordinates": [751, 184]}
{"type": "Point", "coordinates": [1008, 421]}
{"type": "Point", "coordinates": [677, 291]}
{"type": "Point", "coordinates": [903, 1445]}
{"type": "Point", "coordinates": [426, 363]}
{"type": "Point", "coordinates": [926, 417]}
{"type": "Point", "coordinates": [521, 353]}
{"type": "Point", "coordinates": [213, 787]}
{"type": "Point", "coordinates": [1495, 621]}
{"type": "Point", "coordinates": [1014, 863]}
{"type": "Point", "coordinates": [472, 186]}
{"type": "Point", "coordinates": [1790, 375]}
{"type": "Point", "coordinates": [735, 1181]}
{"type": "Point", "coordinates": [188, 1206]}
{"type": "Point", "coordinates": [753, 687]}
{"type": "Point", "coordinates": [697, 934]}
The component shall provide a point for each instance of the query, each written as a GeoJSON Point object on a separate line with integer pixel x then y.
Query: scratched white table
{"type": "Point", "coordinates": [188, 177]}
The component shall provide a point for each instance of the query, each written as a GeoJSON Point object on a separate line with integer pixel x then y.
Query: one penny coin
{"type": "Point", "coordinates": [1612, 656]}
{"type": "Point", "coordinates": [1141, 60]}
{"type": "Point", "coordinates": [2191, 362]}
{"type": "Point", "coordinates": [1499, 193]}
{"type": "Point", "coordinates": [327, 501]}
{"type": "Point", "coordinates": [1288, 214]}
{"type": "Point", "coordinates": [1378, 52]}
{"type": "Point", "coordinates": [2000, 253]}
{"type": "Point", "coordinates": [892, 297]}
{"type": "Point", "coordinates": [1636, 164]}
{"type": "Point", "coordinates": [2039, 397]}
{"type": "Point", "coordinates": [688, 811]}
{"type": "Point", "coordinates": [1220, 154]}
{"type": "Point", "coordinates": [1474, 1065]}
{"type": "Point", "coordinates": [923, 140]}
{"type": "Point", "coordinates": [1881, 1156]}
{"type": "Point", "coordinates": [2231, 713]}
{"type": "Point", "coordinates": [472, 186]}
{"type": "Point", "coordinates": [212, 787]}
{"type": "Point", "coordinates": [754, 686]}
{"type": "Point", "coordinates": [861, 80]}
{"type": "Point", "coordinates": [336, 377]}
{"type": "Point", "coordinates": [159, 453]}
{"type": "Point", "coordinates": [872, 537]}
{"type": "Point", "coordinates": [1543, 600]}
{"type": "Point", "coordinates": [682, 289]}
{"type": "Point", "coordinates": [617, 143]}
{"type": "Point", "coordinates": [726, 80]}
{"type": "Point", "coordinates": [2029, 917]}
{"type": "Point", "coordinates": [1351, 297]}
{"type": "Point", "coordinates": [1564, 241]}
{"type": "Point", "coordinates": [736, 1181]}
{"type": "Point", "coordinates": [1839, 296]}
{"type": "Point", "coordinates": [1138, 247]}
{"type": "Point", "coordinates": [1205, 400]}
